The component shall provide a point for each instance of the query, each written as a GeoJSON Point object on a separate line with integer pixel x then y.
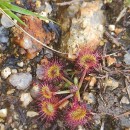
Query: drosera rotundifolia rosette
{"type": "Point", "coordinates": [51, 97]}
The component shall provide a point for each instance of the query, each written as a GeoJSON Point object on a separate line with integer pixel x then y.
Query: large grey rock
{"type": "Point", "coordinates": [86, 29]}
{"type": "Point", "coordinates": [21, 80]}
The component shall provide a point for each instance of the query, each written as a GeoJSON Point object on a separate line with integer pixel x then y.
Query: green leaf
{"type": "Point", "coordinates": [11, 14]}
{"type": "Point", "coordinates": [24, 11]}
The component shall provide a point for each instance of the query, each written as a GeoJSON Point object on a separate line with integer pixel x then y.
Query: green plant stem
{"type": "Point", "coordinates": [62, 92]}
{"type": "Point", "coordinates": [66, 80]}
{"type": "Point", "coordinates": [77, 95]}
{"type": "Point", "coordinates": [64, 99]}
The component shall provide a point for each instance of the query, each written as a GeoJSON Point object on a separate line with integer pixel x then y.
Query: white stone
{"type": "Point", "coordinates": [25, 98]}
{"type": "Point", "coordinates": [125, 100]}
{"type": "Point", "coordinates": [5, 72]}
{"type": "Point", "coordinates": [28, 69]}
{"type": "Point", "coordinates": [111, 27]}
{"type": "Point", "coordinates": [6, 22]}
{"type": "Point", "coordinates": [11, 91]}
{"type": "Point", "coordinates": [14, 71]}
{"type": "Point", "coordinates": [89, 97]}
{"type": "Point", "coordinates": [20, 64]}
{"type": "Point", "coordinates": [32, 114]}
{"type": "Point", "coordinates": [48, 8]}
{"type": "Point", "coordinates": [35, 91]}
{"type": "Point", "coordinates": [3, 113]}
{"type": "Point", "coordinates": [2, 127]}
{"type": "Point", "coordinates": [20, 80]}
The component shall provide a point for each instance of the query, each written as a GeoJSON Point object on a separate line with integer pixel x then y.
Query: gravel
{"type": "Point", "coordinates": [6, 22]}
{"type": "Point", "coordinates": [32, 114]}
{"type": "Point", "coordinates": [20, 80]}
{"type": "Point", "coordinates": [5, 72]}
{"type": "Point", "coordinates": [3, 113]}
{"type": "Point", "coordinates": [25, 98]}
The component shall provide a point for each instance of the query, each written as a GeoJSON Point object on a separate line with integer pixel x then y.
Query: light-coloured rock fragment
{"type": "Point", "coordinates": [89, 97]}
{"type": "Point", "coordinates": [2, 120]}
{"type": "Point", "coordinates": [20, 64]}
{"type": "Point", "coordinates": [124, 100]}
{"type": "Point", "coordinates": [32, 114]}
{"type": "Point", "coordinates": [11, 91]}
{"type": "Point", "coordinates": [92, 82]}
{"type": "Point", "coordinates": [86, 29]}
{"type": "Point", "coordinates": [111, 27]}
{"type": "Point", "coordinates": [6, 22]}
{"type": "Point", "coordinates": [5, 72]}
{"type": "Point", "coordinates": [80, 127]}
{"type": "Point", "coordinates": [14, 71]}
{"type": "Point", "coordinates": [111, 83]}
{"type": "Point", "coordinates": [35, 91]}
{"type": "Point", "coordinates": [3, 113]}
{"type": "Point", "coordinates": [2, 127]}
{"type": "Point", "coordinates": [25, 98]}
{"type": "Point", "coordinates": [20, 80]}
{"type": "Point", "coordinates": [28, 69]}
{"type": "Point", "coordinates": [48, 8]}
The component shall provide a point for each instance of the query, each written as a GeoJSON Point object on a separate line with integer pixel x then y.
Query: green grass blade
{"type": "Point", "coordinates": [11, 14]}
{"type": "Point", "coordinates": [23, 11]}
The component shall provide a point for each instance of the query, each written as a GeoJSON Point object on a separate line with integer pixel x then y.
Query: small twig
{"type": "Point", "coordinates": [77, 95]}
{"type": "Point", "coordinates": [64, 99]}
{"type": "Point", "coordinates": [67, 3]}
{"type": "Point", "coordinates": [123, 114]}
{"type": "Point", "coordinates": [102, 99]}
{"type": "Point", "coordinates": [66, 80]}
{"type": "Point", "coordinates": [127, 88]}
{"type": "Point", "coordinates": [112, 39]}
{"type": "Point", "coordinates": [102, 126]}
{"type": "Point", "coordinates": [122, 13]}
{"type": "Point", "coordinates": [104, 53]}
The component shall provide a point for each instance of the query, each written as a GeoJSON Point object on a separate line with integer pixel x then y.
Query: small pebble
{"type": "Point", "coordinates": [20, 64]}
{"type": "Point", "coordinates": [28, 69]}
{"type": "Point", "coordinates": [80, 127]}
{"type": "Point", "coordinates": [11, 91]}
{"type": "Point", "coordinates": [4, 35]}
{"type": "Point", "coordinates": [5, 72]}
{"type": "Point", "coordinates": [6, 22]}
{"type": "Point", "coordinates": [111, 27]}
{"type": "Point", "coordinates": [92, 82]}
{"type": "Point", "coordinates": [48, 8]}
{"type": "Point", "coordinates": [48, 53]}
{"type": "Point", "coordinates": [89, 97]}
{"type": "Point", "coordinates": [124, 100]}
{"type": "Point", "coordinates": [25, 98]}
{"type": "Point", "coordinates": [14, 71]}
{"type": "Point", "coordinates": [111, 83]}
{"type": "Point", "coordinates": [20, 80]}
{"type": "Point", "coordinates": [1, 120]}
{"type": "Point", "coordinates": [3, 113]}
{"type": "Point", "coordinates": [35, 91]}
{"type": "Point", "coordinates": [32, 114]}
{"type": "Point", "coordinates": [2, 127]}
